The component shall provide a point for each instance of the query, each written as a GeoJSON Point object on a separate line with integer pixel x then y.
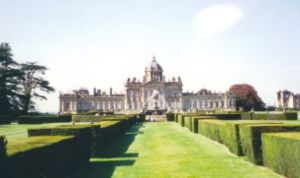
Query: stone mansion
{"type": "Point", "coordinates": [153, 93]}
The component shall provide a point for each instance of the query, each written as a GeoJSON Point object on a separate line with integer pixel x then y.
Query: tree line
{"type": "Point", "coordinates": [20, 83]}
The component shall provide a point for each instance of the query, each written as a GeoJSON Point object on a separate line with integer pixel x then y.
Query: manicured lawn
{"type": "Point", "coordinates": [19, 131]}
{"type": "Point", "coordinates": [168, 150]}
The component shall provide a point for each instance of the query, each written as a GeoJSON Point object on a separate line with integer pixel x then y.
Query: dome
{"type": "Point", "coordinates": [154, 66]}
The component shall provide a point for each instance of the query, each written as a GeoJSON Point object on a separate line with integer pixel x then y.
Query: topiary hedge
{"type": "Point", "coordinates": [47, 156]}
{"type": "Point", "coordinates": [170, 116]}
{"type": "Point", "coordinates": [231, 136]}
{"type": "Point", "coordinates": [176, 117]}
{"type": "Point", "coordinates": [85, 134]}
{"type": "Point", "coordinates": [181, 118]}
{"type": "Point", "coordinates": [275, 116]}
{"type": "Point", "coordinates": [228, 116]}
{"type": "Point", "coordinates": [43, 119]}
{"type": "Point", "coordinates": [3, 143]}
{"type": "Point", "coordinates": [187, 122]}
{"type": "Point", "coordinates": [6, 119]}
{"type": "Point", "coordinates": [281, 153]}
{"type": "Point", "coordinates": [250, 136]}
{"type": "Point", "coordinates": [195, 119]}
{"type": "Point", "coordinates": [94, 118]}
{"type": "Point", "coordinates": [212, 129]}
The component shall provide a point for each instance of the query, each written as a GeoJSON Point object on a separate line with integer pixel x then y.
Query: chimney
{"type": "Point", "coordinates": [110, 91]}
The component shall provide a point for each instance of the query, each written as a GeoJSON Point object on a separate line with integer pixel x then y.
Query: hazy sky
{"type": "Point", "coordinates": [211, 44]}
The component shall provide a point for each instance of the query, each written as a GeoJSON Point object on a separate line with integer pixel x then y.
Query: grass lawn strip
{"type": "Point", "coordinates": [168, 150]}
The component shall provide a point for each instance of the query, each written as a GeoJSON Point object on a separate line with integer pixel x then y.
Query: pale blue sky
{"type": "Point", "coordinates": [102, 43]}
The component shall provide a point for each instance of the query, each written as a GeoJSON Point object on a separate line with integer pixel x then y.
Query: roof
{"type": "Point", "coordinates": [154, 66]}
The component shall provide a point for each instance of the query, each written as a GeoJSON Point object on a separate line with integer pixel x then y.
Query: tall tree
{"type": "Point", "coordinates": [9, 75]}
{"type": "Point", "coordinates": [32, 83]}
{"type": "Point", "coordinates": [246, 97]}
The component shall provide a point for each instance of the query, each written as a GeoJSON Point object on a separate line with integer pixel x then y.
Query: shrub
{"type": "Point", "coordinates": [188, 122]}
{"type": "Point", "coordinates": [176, 117]}
{"type": "Point", "coordinates": [229, 116]}
{"type": "Point", "coordinates": [85, 135]}
{"type": "Point", "coordinates": [94, 118]}
{"type": "Point", "coordinates": [212, 129]}
{"type": "Point", "coordinates": [170, 116]}
{"type": "Point", "coordinates": [281, 152]}
{"type": "Point", "coordinates": [6, 119]}
{"type": "Point", "coordinates": [250, 136]}
{"type": "Point", "coordinates": [195, 119]}
{"type": "Point", "coordinates": [43, 119]}
{"type": "Point", "coordinates": [47, 156]}
{"type": "Point", "coordinates": [180, 119]}
{"type": "Point", "coordinates": [275, 116]}
{"type": "Point", "coordinates": [231, 137]}
{"type": "Point", "coordinates": [3, 143]}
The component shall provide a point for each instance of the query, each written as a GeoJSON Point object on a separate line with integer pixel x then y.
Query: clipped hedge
{"type": "Point", "coordinates": [181, 118]}
{"type": "Point", "coordinates": [47, 156]}
{"type": "Point", "coordinates": [212, 129]}
{"type": "Point", "coordinates": [228, 116]}
{"type": "Point", "coordinates": [6, 119]}
{"type": "Point", "coordinates": [176, 117]}
{"type": "Point", "coordinates": [194, 122]}
{"type": "Point", "coordinates": [170, 116]}
{"type": "Point", "coordinates": [95, 135]}
{"type": "Point", "coordinates": [275, 116]}
{"type": "Point", "coordinates": [250, 136]}
{"type": "Point", "coordinates": [231, 136]}
{"type": "Point", "coordinates": [3, 143]}
{"type": "Point", "coordinates": [94, 118]}
{"type": "Point", "coordinates": [281, 153]}
{"type": "Point", "coordinates": [43, 119]}
{"type": "Point", "coordinates": [188, 122]}
{"type": "Point", "coordinates": [85, 135]}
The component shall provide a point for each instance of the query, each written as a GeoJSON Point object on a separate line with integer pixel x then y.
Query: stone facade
{"type": "Point", "coordinates": [153, 93]}
{"type": "Point", "coordinates": [287, 99]}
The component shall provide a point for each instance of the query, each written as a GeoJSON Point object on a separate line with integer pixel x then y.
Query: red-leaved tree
{"type": "Point", "coordinates": [246, 97]}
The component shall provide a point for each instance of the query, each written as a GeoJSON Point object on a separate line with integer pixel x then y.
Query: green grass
{"type": "Point", "coordinates": [168, 150]}
{"type": "Point", "coordinates": [19, 131]}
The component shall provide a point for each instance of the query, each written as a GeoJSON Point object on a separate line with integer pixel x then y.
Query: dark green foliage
{"type": "Point", "coordinates": [250, 136]}
{"type": "Point", "coordinates": [3, 143]}
{"type": "Point", "coordinates": [47, 156]}
{"type": "Point", "coordinates": [291, 115]}
{"type": "Point", "coordinates": [281, 153]}
{"type": "Point", "coordinates": [9, 81]}
{"type": "Point", "coordinates": [188, 122]}
{"type": "Point", "coordinates": [212, 129]}
{"type": "Point", "coordinates": [176, 117]}
{"type": "Point", "coordinates": [98, 118]}
{"type": "Point", "coordinates": [170, 116]}
{"type": "Point", "coordinates": [6, 119]}
{"type": "Point", "coordinates": [43, 119]}
{"type": "Point", "coordinates": [275, 116]}
{"type": "Point", "coordinates": [195, 119]}
{"type": "Point", "coordinates": [93, 135]}
{"type": "Point", "coordinates": [231, 137]}
{"type": "Point", "coordinates": [85, 134]}
{"type": "Point", "coordinates": [93, 112]}
{"type": "Point", "coordinates": [32, 82]}
{"type": "Point", "coordinates": [228, 116]}
{"type": "Point", "coordinates": [180, 119]}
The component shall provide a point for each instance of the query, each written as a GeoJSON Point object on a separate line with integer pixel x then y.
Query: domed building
{"type": "Point", "coordinates": [154, 93]}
